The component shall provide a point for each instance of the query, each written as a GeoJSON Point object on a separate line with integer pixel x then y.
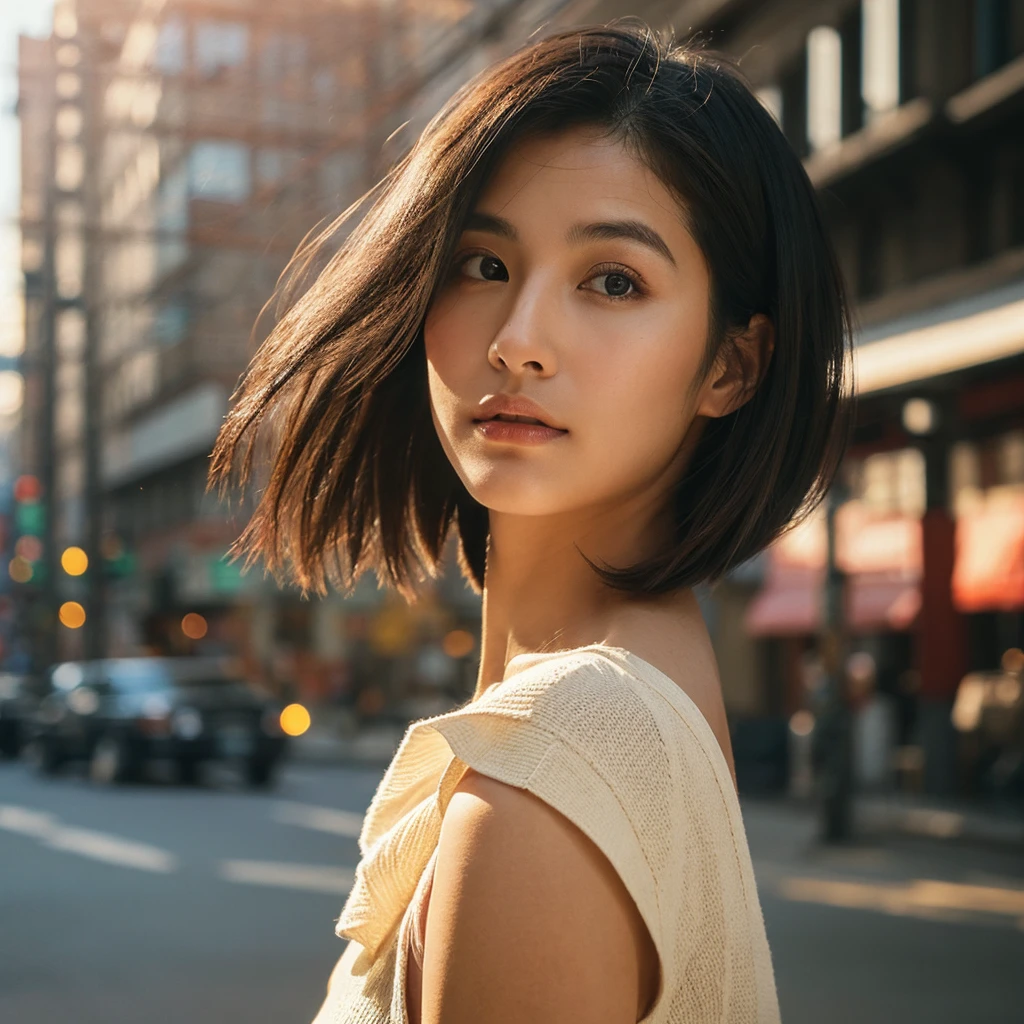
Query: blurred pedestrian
{"type": "Point", "coordinates": [592, 322]}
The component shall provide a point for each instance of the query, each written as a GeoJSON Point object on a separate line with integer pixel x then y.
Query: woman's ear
{"type": "Point", "coordinates": [740, 367]}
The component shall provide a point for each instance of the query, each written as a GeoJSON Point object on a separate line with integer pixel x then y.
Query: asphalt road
{"type": "Point", "coordinates": [215, 905]}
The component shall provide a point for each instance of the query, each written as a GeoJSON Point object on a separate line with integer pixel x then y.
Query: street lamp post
{"type": "Point", "coordinates": [833, 735]}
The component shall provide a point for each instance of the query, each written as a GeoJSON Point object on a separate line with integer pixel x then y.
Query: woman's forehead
{"type": "Point", "coordinates": [579, 176]}
{"type": "Point", "coordinates": [569, 173]}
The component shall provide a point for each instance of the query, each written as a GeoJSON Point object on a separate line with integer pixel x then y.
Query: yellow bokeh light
{"type": "Point", "coordinates": [294, 720]}
{"type": "Point", "coordinates": [458, 643]}
{"type": "Point", "coordinates": [74, 561]}
{"type": "Point", "coordinates": [72, 615]}
{"type": "Point", "coordinates": [19, 569]}
{"type": "Point", "coordinates": [194, 626]}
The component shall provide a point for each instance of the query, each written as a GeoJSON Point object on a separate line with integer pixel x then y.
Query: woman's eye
{"type": "Point", "coordinates": [615, 284]}
{"type": "Point", "coordinates": [484, 268]}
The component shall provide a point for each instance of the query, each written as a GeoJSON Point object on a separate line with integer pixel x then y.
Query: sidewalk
{"type": "Point", "coordinates": [876, 816]}
{"type": "Point", "coordinates": [334, 739]}
{"type": "Point", "coordinates": [937, 819]}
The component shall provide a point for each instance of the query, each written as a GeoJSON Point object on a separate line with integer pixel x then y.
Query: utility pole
{"type": "Point", "coordinates": [44, 625]}
{"type": "Point", "coordinates": [92, 248]}
{"type": "Point", "coordinates": [833, 734]}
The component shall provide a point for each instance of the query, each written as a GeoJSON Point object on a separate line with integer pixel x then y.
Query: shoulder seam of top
{"type": "Point", "coordinates": [732, 832]}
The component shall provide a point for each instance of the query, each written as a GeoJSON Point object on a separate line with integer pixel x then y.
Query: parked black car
{"type": "Point", "coordinates": [118, 714]}
{"type": "Point", "coordinates": [18, 700]}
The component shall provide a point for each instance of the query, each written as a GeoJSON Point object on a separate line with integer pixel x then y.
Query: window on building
{"type": "Point", "coordinates": [1010, 449]}
{"type": "Point", "coordinates": [283, 54]}
{"type": "Point", "coordinates": [219, 170]}
{"type": "Point", "coordinates": [169, 55]}
{"type": "Point", "coordinates": [172, 218]}
{"type": "Point", "coordinates": [824, 87]}
{"type": "Point", "coordinates": [170, 323]}
{"type": "Point", "coordinates": [993, 35]}
{"type": "Point", "coordinates": [793, 87]}
{"type": "Point", "coordinates": [276, 164]}
{"type": "Point", "coordinates": [340, 175]}
{"type": "Point", "coordinates": [324, 84]}
{"type": "Point", "coordinates": [880, 56]}
{"type": "Point", "coordinates": [851, 102]}
{"type": "Point", "coordinates": [892, 482]}
{"type": "Point", "coordinates": [220, 45]}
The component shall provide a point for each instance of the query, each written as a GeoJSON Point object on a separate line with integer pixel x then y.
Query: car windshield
{"type": "Point", "coordinates": [143, 677]}
{"type": "Point", "coordinates": [10, 686]}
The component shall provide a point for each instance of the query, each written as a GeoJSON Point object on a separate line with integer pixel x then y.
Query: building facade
{"type": "Point", "coordinates": [193, 143]}
{"type": "Point", "coordinates": [909, 116]}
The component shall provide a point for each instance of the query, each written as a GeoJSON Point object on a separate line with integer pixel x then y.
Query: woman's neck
{"type": "Point", "coordinates": [540, 594]}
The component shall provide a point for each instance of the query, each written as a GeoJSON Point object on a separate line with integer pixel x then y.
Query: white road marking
{"type": "Point", "coordinates": [322, 819]}
{"type": "Point", "coordinates": [99, 846]}
{"type": "Point", "coordinates": [284, 875]}
{"type": "Point", "coordinates": [113, 850]}
{"type": "Point", "coordinates": [26, 822]}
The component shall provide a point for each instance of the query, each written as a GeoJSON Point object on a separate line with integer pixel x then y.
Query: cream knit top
{"type": "Point", "coordinates": [617, 747]}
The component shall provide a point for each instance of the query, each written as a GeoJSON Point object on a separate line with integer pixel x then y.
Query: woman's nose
{"type": "Point", "coordinates": [524, 342]}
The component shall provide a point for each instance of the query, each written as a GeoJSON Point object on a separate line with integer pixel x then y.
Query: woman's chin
{"type": "Point", "coordinates": [515, 495]}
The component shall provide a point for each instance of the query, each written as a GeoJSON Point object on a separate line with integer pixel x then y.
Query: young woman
{"type": "Point", "coordinates": [593, 321]}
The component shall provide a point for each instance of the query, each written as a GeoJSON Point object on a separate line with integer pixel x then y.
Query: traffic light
{"type": "Point", "coordinates": [29, 524]}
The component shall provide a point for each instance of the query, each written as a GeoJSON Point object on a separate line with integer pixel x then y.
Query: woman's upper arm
{"type": "Point", "coordinates": [528, 922]}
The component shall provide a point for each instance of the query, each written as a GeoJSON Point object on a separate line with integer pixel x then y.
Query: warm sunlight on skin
{"type": "Point", "coordinates": [605, 333]}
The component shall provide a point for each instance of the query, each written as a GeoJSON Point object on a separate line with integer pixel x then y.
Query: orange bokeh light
{"type": "Point", "coordinates": [74, 561]}
{"type": "Point", "coordinates": [72, 615]}
{"type": "Point", "coordinates": [458, 643]}
{"type": "Point", "coordinates": [295, 720]}
{"type": "Point", "coordinates": [194, 626]}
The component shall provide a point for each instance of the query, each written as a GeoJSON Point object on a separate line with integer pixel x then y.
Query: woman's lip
{"type": "Point", "coordinates": [517, 432]}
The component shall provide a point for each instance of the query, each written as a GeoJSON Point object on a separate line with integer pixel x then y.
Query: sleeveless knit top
{"type": "Point", "coordinates": [618, 748]}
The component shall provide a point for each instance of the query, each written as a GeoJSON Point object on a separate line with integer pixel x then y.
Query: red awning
{"type": "Point", "coordinates": [880, 602]}
{"type": "Point", "coordinates": [988, 574]}
{"type": "Point", "coordinates": [789, 605]}
{"type": "Point", "coordinates": [881, 556]}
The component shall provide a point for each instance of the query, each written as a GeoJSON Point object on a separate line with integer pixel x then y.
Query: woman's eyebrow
{"type": "Point", "coordinates": [633, 230]}
{"type": "Point", "coordinates": [492, 224]}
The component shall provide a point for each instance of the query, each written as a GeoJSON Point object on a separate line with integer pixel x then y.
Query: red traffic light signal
{"type": "Point", "coordinates": [27, 488]}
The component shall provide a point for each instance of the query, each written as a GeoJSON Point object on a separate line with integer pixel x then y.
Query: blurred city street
{"type": "Point", "coordinates": [160, 163]}
{"type": "Point", "coordinates": [214, 905]}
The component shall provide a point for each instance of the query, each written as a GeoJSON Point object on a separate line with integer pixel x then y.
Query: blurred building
{"type": "Point", "coordinates": [909, 116]}
{"type": "Point", "coordinates": [175, 153]}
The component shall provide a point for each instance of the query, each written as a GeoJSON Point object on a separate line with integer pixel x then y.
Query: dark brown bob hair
{"type": "Point", "coordinates": [355, 476]}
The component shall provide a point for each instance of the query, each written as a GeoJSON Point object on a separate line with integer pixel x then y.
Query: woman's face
{"type": "Point", "coordinates": [577, 285]}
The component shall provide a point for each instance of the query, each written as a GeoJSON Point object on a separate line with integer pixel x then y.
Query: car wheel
{"type": "Point", "coordinates": [187, 769]}
{"type": "Point", "coordinates": [112, 760]}
{"type": "Point", "coordinates": [46, 755]}
{"type": "Point", "coordinates": [10, 747]}
{"type": "Point", "coordinates": [260, 773]}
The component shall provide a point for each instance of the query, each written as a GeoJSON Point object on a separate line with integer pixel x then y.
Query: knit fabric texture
{"type": "Point", "coordinates": [617, 747]}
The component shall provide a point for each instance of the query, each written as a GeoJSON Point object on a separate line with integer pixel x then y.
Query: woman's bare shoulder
{"type": "Point", "coordinates": [528, 921]}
